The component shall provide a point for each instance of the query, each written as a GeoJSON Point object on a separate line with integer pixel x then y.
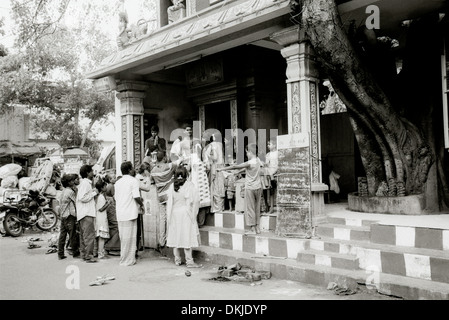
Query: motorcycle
{"type": "Point", "coordinates": [2, 218]}
{"type": "Point", "coordinates": [31, 210]}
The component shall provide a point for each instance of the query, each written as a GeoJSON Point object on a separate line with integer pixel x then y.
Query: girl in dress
{"type": "Point", "coordinates": [102, 225]}
{"type": "Point", "coordinates": [182, 210]}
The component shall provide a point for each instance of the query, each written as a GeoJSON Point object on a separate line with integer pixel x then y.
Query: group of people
{"type": "Point", "coordinates": [190, 181]}
{"type": "Point", "coordinates": [88, 218]}
{"type": "Point", "coordinates": [220, 177]}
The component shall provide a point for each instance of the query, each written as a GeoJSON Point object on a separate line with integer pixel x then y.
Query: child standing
{"type": "Point", "coordinates": [271, 169]}
{"type": "Point", "coordinates": [67, 214]}
{"type": "Point", "coordinates": [102, 225]}
{"type": "Point", "coordinates": [112, 246]}
{"type": "Point", "coordinates": [253, 187]}
{"type": "Point", "coordinates": [230, 178]}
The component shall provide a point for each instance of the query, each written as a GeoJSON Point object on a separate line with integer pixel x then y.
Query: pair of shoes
{"type": "Point", "coordinates": [62, 258]}
{"type": "Point", "coordinates": [93, 260]}
{"type": "Point", "coordinates": [194, 265]}
{"type": "Point", "coordinates": [76, 256]}
{"type": "Point", "coordinates": [178, 263]}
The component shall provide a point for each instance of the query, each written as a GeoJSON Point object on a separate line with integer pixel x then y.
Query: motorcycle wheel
{"type": "Point", "coordinates": [47, 220]}
{"type": "Point", "coordinates": [12, 226]}
{"type": "Point", "coordinates": [2, 228]}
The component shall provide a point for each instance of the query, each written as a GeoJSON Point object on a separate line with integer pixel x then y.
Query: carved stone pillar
{"type": "Point", "coordinates": [202, 118]}
{"type": "Point", "coordinates": [255, 115]}
{"type": "Point", "coordinates": [131, 95]}
{"type": "Point", "coordinates": [303, 124]}
{"type": "Point", "coordinates": [234, 115]}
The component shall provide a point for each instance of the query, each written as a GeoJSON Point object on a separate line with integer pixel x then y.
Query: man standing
{"type": "Point", "coordinates": [128, 202]}
{"type": "Point", "coordinates": [154, 144]}
{"type": "Point", "coordinates": [86, 213]}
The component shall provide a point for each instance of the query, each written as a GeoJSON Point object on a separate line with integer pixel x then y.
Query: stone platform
{"type": "Point", "coordinates": [398, 255]}
{"type": "Point", "coordinates": [407, 205]}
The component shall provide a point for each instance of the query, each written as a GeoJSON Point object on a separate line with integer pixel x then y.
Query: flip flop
{"type": "Point", "coordinates": [97, 283]}
{"type": "Point", "coordinates": [105, 278]}
{"type": "Point", "coordinates": [51, 250]}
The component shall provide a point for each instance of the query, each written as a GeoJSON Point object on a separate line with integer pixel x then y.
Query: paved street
{"type": "Point", "coordinates": [32, 274]}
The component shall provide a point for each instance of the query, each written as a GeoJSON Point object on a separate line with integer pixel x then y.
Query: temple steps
{"type": "Point", "coordinates": [348, 249]}
{"type": "Point", "coordinates": [344, 232]}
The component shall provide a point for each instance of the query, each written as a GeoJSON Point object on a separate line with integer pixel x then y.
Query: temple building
{"type": "Point", "coordinates": [245, 64]}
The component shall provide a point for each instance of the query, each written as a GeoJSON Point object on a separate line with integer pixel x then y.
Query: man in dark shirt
{"type": "Point", "coordinates": [154, 144]}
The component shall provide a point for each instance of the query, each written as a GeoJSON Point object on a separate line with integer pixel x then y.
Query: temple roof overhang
{"type": "Point", "coordinates": [213, 30]}
{"type": "Point", "coordinates": [239, 22]}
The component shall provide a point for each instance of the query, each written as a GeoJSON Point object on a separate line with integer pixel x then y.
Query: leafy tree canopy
{"type": "Point", "coordinates": [57, 41]}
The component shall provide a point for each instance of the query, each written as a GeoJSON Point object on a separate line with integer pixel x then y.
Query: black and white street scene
{"type": "Point", "coordinates": [224, 150]}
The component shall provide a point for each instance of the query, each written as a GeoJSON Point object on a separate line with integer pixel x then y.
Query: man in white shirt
{"type": "Point", "coordinates": [86, 213]}
{"type": "Point", "coordinates": [128, 203]}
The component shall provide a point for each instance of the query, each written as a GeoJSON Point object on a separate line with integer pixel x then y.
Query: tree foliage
{"type": "Point", "coordinates": [393, 127]}
{"type": "Point", "coordinates": [57, 42]}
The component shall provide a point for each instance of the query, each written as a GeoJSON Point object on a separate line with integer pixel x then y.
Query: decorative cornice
{"type": "Point", "coordinates": [194, 28]}
{"type": "Point", "coordinates": [288, 36]}
{"type": "Point", "coordinates": [131, 95]}
{"type": "Point", "coordinates": [126, 85]}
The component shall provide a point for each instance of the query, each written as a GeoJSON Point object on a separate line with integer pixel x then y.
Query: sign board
{"type": "Point", "coordinates": [73, 167]}
{"type": "Point", "coordinates": [295, 140]}
{"type": "Point", "coordinates": [294, 184]}
{"type": "Point", "coordinates": [204, 72]}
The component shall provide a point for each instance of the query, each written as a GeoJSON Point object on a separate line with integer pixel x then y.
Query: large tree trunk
{"type": "Point", "coordinates": [393, 149]}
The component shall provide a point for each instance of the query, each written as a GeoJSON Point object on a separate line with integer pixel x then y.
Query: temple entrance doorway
{"type": "Point", "coordinates": [218, 116]}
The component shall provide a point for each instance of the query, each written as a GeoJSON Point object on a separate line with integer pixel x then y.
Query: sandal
{"type": "Point", "coordinates": [52, 250]}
